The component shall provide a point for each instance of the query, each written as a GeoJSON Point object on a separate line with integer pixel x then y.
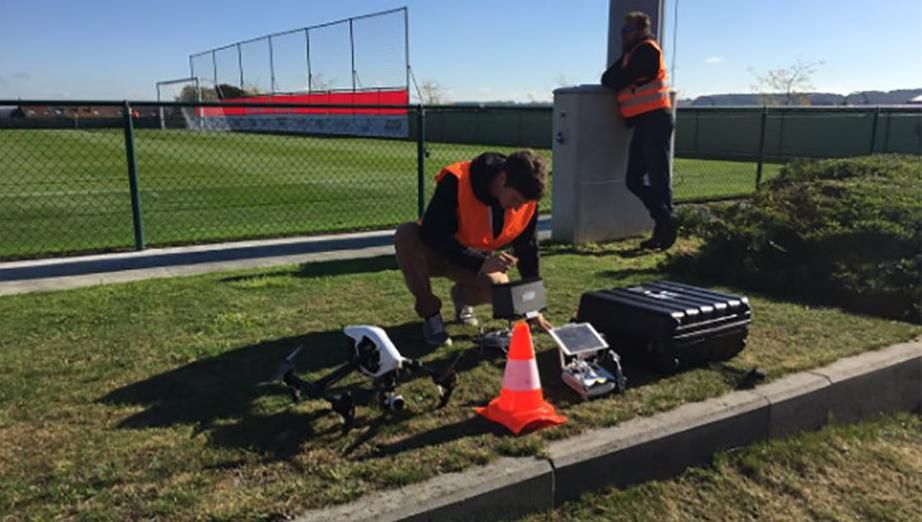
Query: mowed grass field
{"type": "Point", "coordinates": [147, 400]}
{"type": "Point", "coordinates": [866, 471]}
{"type": "Point", "coordinates": [67, 191]}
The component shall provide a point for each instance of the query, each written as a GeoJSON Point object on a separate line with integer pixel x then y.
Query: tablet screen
{"type": "Point", "coordinates": [578, 338]}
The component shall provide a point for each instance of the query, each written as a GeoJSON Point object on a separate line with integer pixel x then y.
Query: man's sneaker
{"type": "Point", "coordinates": [434, 331]}
{"type": "Point", "coordinates": [464, 314]}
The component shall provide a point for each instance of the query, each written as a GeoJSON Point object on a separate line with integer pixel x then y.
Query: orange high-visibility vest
{"type": "Point", "coordinates": [648, 95]}
{"type": "Point", "coordinates": [475, 219]}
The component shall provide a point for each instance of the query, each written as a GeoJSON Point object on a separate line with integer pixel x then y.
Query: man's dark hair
{"type": "Point", "coordinates": [527, 173]}
{"type": "Point", "coordinates": [489, 162]}
{"type": "Point", "coordinates": [639, 20]}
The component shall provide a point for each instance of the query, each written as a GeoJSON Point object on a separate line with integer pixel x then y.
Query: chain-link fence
{"type": "Point", "coordinates": [97, 176]}
{"type": "Point", "coordinates": [124, 183]}
{"type": "Point", "coordinates": [356, 53]}
{"type": "Point", "coordinates": [505, 128]}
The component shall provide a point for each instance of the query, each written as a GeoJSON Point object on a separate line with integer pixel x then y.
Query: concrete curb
{"type": "Point", "coordinates": [874, 383]}
{"type": "Point", "coordinates": [50, 284]}
{"type": "Point", "coordinates": [42, 275]}
{"type": "Point", "coordinates": [513, 487]}
{"type": "Point", "coordinates": [657, 447]}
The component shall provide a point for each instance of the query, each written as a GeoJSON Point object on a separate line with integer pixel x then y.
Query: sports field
{"type": "Point", "coordinates": [67, 191]}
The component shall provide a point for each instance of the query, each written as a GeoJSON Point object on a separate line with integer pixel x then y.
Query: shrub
{"type": "Point", "coordinates": [841, 232]}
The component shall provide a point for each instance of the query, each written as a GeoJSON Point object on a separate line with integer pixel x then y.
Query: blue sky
{"type": "Point", "coordinates": [477, 50]}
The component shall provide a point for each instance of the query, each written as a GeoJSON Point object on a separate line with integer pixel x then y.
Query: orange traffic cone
{"type": "Point", "coordinates": [521, 402]}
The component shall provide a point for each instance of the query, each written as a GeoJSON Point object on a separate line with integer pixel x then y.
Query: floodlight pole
{"type": "Point", "coordinates": [271, 65]}
{"type": "Point", "coordinates": [240, 64]}
{"type": "Point", "coordinates": [352, 52]}
{"type": "Point", "coordinates": [307, 43]}
{"type": "Point", "coordinates": [406, 45]}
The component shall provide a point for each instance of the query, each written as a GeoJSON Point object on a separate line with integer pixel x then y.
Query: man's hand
{"type": "Point", "coordinates": [501, 262]}
{"type": "Point", "coordinates": [543, 323]}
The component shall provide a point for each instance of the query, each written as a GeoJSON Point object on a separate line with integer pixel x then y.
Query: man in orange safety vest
{"type": "Point", "coordinates": [479, 207]}
{"type": "Point", "coordinates": [639, 81]}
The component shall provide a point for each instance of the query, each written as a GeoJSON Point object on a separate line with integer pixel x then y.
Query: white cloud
{"type": "Point", "coordinates": [714, 59]}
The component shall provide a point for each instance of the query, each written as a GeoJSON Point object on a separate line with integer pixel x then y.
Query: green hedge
{"type": "Point", "coordinates": [841, 232]}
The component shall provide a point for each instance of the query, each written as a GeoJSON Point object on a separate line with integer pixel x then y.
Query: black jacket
{"type": "Point", "coordinates": [642, 67]}
{"type": "Point", "coordinates": [440, 223]}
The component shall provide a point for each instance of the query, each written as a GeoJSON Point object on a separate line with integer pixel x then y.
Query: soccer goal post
{"type": "Point", "coordinates": [184, 90]}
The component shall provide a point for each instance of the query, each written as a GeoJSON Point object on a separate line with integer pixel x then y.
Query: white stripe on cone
{"type": "Point", "coordinates": [521, 375]}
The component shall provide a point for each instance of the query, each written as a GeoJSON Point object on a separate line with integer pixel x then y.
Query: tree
{"type": "Point", "coordinates": [222, 91]}
{"type": "Point", "coordinates": [230, 91]}
{"type": "Point", "coordinates": [190, 94]}
{"type": "Point", "coordinates": [319, 83]}
{"type": "Point", "coordinates": [432, 93]}
{"type": "Point", "coordinates": [786, 85]}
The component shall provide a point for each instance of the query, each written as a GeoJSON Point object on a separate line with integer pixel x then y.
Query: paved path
{"type": "Point", "coordinates": [20, 277]}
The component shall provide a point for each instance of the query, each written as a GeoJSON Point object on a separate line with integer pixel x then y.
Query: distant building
{"type": "Point", "coordinates": [80, 112]}
{"type": "Point", "coordinates": [916, 101]}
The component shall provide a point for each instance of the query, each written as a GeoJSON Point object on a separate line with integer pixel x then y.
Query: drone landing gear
{"type": "Point", "coordinates": [495, 342]}
{"type": "Point", "coordinates": [384, 387]}
{"type": "Point", "coordinates": [341, 403]}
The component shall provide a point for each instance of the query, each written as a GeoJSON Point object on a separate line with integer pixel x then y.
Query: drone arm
{"type": "Point", "coordinates": [318, 388]}
{"type": "Point", "coordinates": [445, 380]}
{"type": "Point", "coordinates": [337, 375]}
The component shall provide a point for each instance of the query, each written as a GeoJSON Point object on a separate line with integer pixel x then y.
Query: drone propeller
{"type": "Point", "coordinates": [286, 365]}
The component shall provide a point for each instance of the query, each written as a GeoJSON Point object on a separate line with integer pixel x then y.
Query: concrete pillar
{"type": "Point", "coordinates": [590, 199]}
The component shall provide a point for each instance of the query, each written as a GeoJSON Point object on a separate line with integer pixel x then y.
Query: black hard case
{"type": "Point", "coordinates": [667, 325]}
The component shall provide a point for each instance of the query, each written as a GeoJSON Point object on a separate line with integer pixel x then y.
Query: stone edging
{"type": "Point", "coordinates": [656, 447]}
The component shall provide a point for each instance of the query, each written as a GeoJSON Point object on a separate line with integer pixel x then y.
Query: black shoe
{"type": "Point", "coordinates": [650, 244]}
{"type": "Point", "coordinates": [668, 233]}
{"type": "Point", "coordinates": [654, 242]}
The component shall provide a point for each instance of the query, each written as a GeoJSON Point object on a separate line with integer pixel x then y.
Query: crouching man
{"type": "Point", "coordinates": [479, 207]}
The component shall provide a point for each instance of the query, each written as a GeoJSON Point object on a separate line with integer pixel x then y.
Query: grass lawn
{"type": "Point", "coordinates": [66, 191]}
{"type": "Point", "coordinates": [866, 471]}
{"type": "Point", "coordinates": [144, 400]}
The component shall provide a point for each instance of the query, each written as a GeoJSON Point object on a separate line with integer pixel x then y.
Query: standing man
{"type": "Point", "coordinates": [478, 208]}
{"type": "Point", "coordinates": [639, 79]}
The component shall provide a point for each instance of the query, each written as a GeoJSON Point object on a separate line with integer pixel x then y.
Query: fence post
{"type": "Point", "coordinates": [477, 125]}
{"type": "Point", "coordinates": [764, 120]}
{"type": "Point", "coordinates": [874, 129]}
{"type": "Point", "coordinates": [420, 161]}
{"type": "Point", "coordinates": [521, 141]}
{"type": "Point", "coordinates": [133, 179]}
{"type": "Point", "coordinates": [697, 126]}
